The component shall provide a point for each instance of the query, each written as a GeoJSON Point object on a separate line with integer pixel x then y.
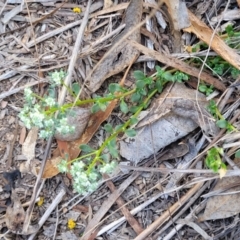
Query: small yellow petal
{"type": "Point", "coordinates": [71, 224]}
{"type": "Point", "coordinates": [40, 202]}
{"type": "Point", "coordinates": [77, 10]}
{"type": "Point", "coordinates": [222, 172]}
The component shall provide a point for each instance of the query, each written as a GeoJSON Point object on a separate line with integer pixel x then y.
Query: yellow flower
{"type": "Point", "coordinates": [40, 202]}
{"type": "Point", "coordinates": [77, 10]}
{"type": "Point", "coordinates": [222, 172]}
{"type": "Point", "coordinates": [71, 224]}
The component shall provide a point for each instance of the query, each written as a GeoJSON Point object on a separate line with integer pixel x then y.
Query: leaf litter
{"type": "Point", "coordinates": [154, 195]}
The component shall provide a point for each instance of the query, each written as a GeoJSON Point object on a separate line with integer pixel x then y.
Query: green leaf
{"type": "Point", "coordinates": [159, 71]}
{"type": "Point", "coordinates": [123, 107]}
{"type": "Point", "coordinates": [133, 109]}
{"type": "Point", "coordinates": [76, 88]}
{"type": "Point", "coordinates": [131, 132]}
{"type": "Point", "coordinates": [229, 30]}
{"type": "Point", "coordinates": [235, 72]}
{"type": "Point", "coordinates": [113, 142]}
{"type": "Point", "coordinates": [105, 157]}
{"type": "Point", "coordinates": [142, 91]}
{"type": "Point", "coordinates": [218, 69]}
{"type": "Point", "coordinates": [95, 108]}
{"type": "Point", "coordinates": [133, 120]}
{"type": "Point", "coordinates": [85, 148]}
{"type": "Point", "coordinates": [136, 97]}
{"type": "Point", "coordinates": [148, 80]}
{"type": "Point", "coordinates": [114, 87]}
{"type": "Point", "coordinates": [237, 154]}
{"type": "Point", "coordinates": [180, 77]}
{"type": "Point", "coordinates": [112, 147]}
{"type": "Point", "coordinates": [113, 152]}
{"type": "Point", "coordinates": [140, 84]}
{"type": "Point", "coordinates": [108, 128]}
{"type": "Point", "coordinates": [139, 75]}
{"type": "Point", "coordinates": [159, 85]}
{"type": "Point", "coordinates": [118, 127]}
{"type": "Point", "coordinates": [102, 106]}
{"type": "Point", "coordinates": [222, 123]}
{"type": "Point", "coordinates": [51, 92]}
{"type": "Point", "coordinates": [167, 76]}
{"type": "Point", "coordinates": [202, 88]}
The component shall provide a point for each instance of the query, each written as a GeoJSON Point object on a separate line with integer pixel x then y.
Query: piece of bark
{"type": "Point", "coordinates": [121, 54]}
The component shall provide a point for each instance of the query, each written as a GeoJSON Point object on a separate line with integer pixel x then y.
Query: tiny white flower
{"type": "Point", "coordinates": [45, 134]}
{"type": "Point", "coordinates": [93, 187]}
{"type": "Point", "coordinates": [62, 166]}
{"type": "Point", "coordinates": [37, 118]}
{"type": "Point", "coordinates": [57, 77]}
{"type": "Point", "coordinates": [28, 93]}
{"type": "Point", "coordinates": [49, 123]}
{"type": "Point", "coordinates": [93, 176]}
{"type": "Point", "coordinates": [50, 101]}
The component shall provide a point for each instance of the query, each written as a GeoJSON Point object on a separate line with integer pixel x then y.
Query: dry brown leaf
{"type": "Point", "coordinates": [4, 104]}
{"type": "Point", "coordinates": [15, 214]}
{"type": "Point", "coordinates": [22, 135]}
{"type": "Point", "coordinates": [219, 207]}
{"type": "Point", "coordinates": [175, 151]}
{"type": "Point", "coordinates": [108, 3]}
{"type": "Point", "coordinates": [28, 148]}
{"type": "Point", "coordinates": [203, 32]}
{"type": "Point", "coordinates": [51, 168]}
{"type": "Point", "coordinates": [238, 2]}
{"type": "Point", "coordinates": [172, 116]}
{"type": "Point", "coordinates": [78, 118]}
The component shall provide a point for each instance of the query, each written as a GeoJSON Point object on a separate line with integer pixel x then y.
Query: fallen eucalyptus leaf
{"type": "Point", "coordinates": [78, 117]}
{"type": "Point", "coordinates": [172, 116]}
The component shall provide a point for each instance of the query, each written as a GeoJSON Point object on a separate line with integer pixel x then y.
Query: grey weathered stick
{"type": "Point", "coordinates": [75, 53]}
{"type": "Point", "coordinates": [8, 93]}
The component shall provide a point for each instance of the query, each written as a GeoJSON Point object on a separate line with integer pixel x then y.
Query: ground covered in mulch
{"type": "Point", "coordinates": [161, 187]}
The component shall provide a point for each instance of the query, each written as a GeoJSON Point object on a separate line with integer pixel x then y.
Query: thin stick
{"type": "Point", "coordinates": [166, 215]}
{"type": "Point", "coordinates": [76, 48]}
{"type": "Point", "coordinates": [53, 205]}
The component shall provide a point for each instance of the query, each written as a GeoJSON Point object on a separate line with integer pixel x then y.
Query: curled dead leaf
{"type": "Point", "coordinates": [15, 214]}
{"type": "Point", "coordinates": [78, 118]}
{"type": "Point", "coordinates": [51, 168]}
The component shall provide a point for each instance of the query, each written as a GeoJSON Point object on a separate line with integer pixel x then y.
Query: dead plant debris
{"type": "Point", "coordinates": [162, 187]}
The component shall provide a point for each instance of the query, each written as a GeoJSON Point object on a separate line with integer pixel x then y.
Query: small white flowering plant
{"type": "Point", "coordinates": [40, 111]}
{"type": "Point", "coordinates": [86, 170]}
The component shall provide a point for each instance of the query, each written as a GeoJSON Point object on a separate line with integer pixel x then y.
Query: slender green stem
{"type": "Point", "coordinates": [115, 134]}
{"type": "Point", "coordinates": [68, 88]}
{"type": "Point", "coordinates": [88, 101]}
{"type": "Point", "coordinates": [38, 97]}
{"type": "Point", "coordinates": [84, 156]}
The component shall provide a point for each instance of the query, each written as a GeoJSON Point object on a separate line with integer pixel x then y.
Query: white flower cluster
{"type": "Point", "coordinates": [108, 167]}
{"type": "Point", "coordinates": [62, 166]}
{"type": "Point", "coordinates": [34, 115]}
{"type": "Point", "coordinates": [83, 182]}
{"type": "Point", "coordinates": [63, 127]}
{"type": "Point", "coordinates": [57, 77]}
{"type": "Point", "coordinates": [28, 94]}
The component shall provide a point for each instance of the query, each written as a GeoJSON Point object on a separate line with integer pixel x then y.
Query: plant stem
{"type": "Point", "coordinates": [122, 129]}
